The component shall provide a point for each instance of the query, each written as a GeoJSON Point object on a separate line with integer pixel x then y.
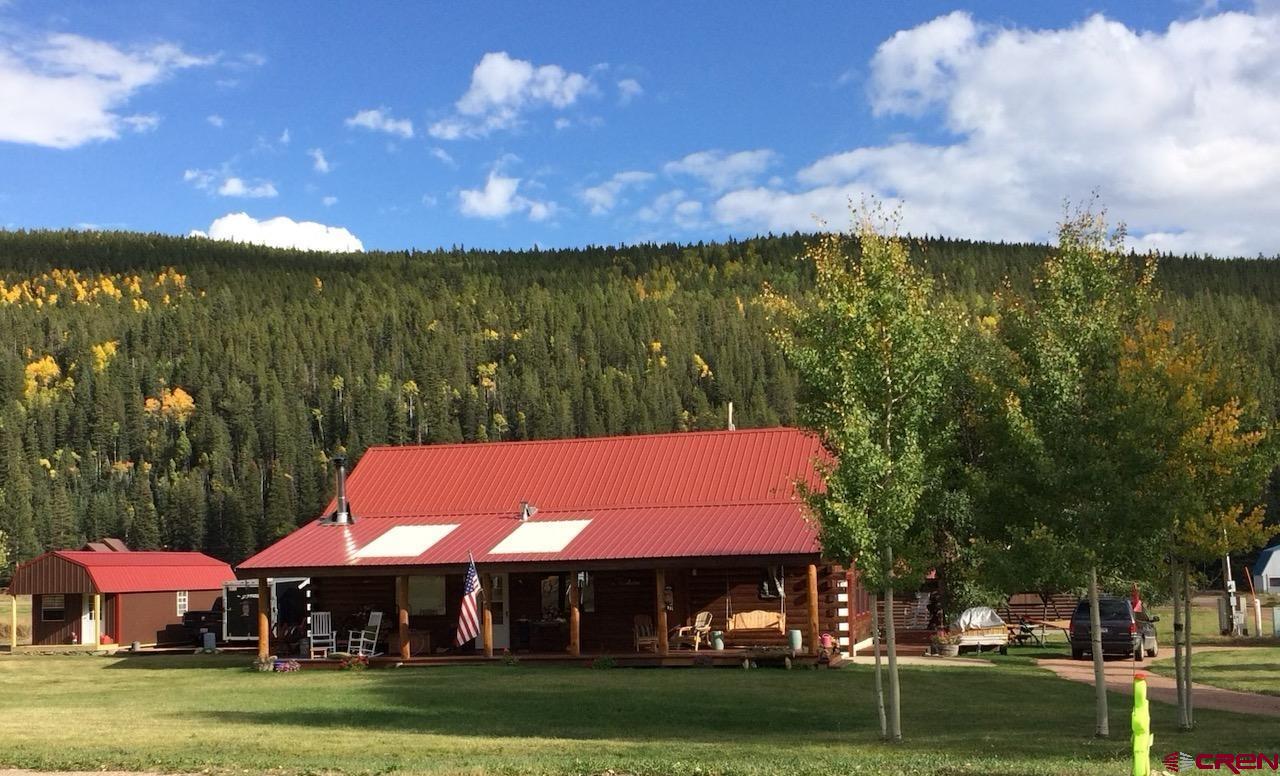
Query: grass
{"type": "Point", "coordinates": [1253, 669]}
{"type": "Point", "coordinates": [24, 619]}
{"type": "Point", "coordinates": [1204, 625]}
{"type": "Point", "coordinates": [209, 713]}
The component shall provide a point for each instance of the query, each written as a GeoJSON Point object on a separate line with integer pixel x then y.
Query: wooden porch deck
{"type": "Point", "coordinates": [683, 659]}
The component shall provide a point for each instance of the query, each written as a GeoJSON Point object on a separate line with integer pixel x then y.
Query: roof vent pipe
{"type": "Point", "coordinates": [527, 511]}
{"type": "Point", "coordinates": [731, 426]}
{"type": "Point", "coordinates": [342, 515]}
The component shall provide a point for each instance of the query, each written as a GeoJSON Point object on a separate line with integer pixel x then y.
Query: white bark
{"type": "Point", "coordinates": [875, 641]}
{"type": "Point", "coordinates": [1103, 729]}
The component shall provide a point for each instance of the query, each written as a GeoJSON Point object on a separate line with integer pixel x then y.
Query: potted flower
{"type": "Point", "coordinates": [946, 643]}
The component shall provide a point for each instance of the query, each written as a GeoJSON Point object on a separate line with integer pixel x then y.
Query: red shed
{"type": "Point", "coordinates": [107, 594]}
{"type": "Point", "coordinates": [579, 541]}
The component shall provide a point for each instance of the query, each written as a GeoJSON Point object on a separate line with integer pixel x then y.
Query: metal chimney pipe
{"type": "Point", "coordinates": [342, 515]}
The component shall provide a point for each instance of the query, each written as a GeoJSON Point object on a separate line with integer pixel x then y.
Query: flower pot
{"type": "Point", "coordinates": [947, 650]}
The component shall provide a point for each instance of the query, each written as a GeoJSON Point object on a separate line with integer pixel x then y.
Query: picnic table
{"type": "Point", "coordinates": [1021, 631]}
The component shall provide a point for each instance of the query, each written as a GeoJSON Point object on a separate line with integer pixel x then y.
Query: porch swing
{"type": "Point", "coordinates": [758, 623]}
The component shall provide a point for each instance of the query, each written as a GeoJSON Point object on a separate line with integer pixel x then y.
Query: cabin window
{"type": "Point", "coordinates": [426, 596]}
{"type": "Point", "coordinates": [182, 602]}
{"type": "Point", "coordinates": [53, 608]}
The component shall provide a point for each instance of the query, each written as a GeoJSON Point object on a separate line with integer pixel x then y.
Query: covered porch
{"type": "Point", "coordinates": [634, 613]}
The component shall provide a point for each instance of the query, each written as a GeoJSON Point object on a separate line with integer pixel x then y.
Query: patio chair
{"type": "Point", "coordinates": [693, 635]}
{"type": "Point", "coordinates": [645, 636]}
{"type": "Point", "coordinates": [320, 636]}
{"type": "Point", "coordinates": [365, 642]}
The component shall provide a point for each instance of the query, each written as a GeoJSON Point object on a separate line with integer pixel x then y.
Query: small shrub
{"type": "Point", "coordinates": [353, 663]}
{"type": "Point", "coordinates": [509, 659]}
{"type": "Point", "coordinates": [604, 662]}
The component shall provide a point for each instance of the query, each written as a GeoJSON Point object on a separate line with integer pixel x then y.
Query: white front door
{"type": "Point", "coordinates": [87, 632]}
{"type": "Point", "coordinates": [501, 613]}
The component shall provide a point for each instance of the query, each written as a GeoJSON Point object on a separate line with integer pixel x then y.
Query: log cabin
{"type": "Point", "coordinates": [574, 540]}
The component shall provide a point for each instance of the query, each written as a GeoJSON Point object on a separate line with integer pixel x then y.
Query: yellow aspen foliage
{"type": "Point", "coordinates": [40, 375]}
{"type": "Point", "coordinates": [177, 405]}
{"type": "Point", "coordinates": [704, 371]}
{"type": "Point", "coordinates": [103, 354]}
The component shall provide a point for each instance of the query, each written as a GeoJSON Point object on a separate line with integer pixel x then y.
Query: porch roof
{"type": "Point", "coordinates": [662, 496]}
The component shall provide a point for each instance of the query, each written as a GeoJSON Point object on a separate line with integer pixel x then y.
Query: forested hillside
{"type": "Point", "coordinates": [187, 393]}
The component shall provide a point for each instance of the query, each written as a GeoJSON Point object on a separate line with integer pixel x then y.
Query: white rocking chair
{"type": "Point", "coordinates": [365, 642]}
{"type": "Point", "coordinates": [320, 636]}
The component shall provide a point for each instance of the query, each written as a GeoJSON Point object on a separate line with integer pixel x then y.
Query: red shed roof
{"type": "Point", "coordinates": [694, 494]}
{"type": "Point", "coordinates": [72, 571]}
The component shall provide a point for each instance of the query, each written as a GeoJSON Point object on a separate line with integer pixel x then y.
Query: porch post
{"type": "Point", "coordinates": [575, 644]}
{"type": "Point", "coordinates": [13, 620]}
{"type": "Point", "coordinates": [402, 610]}
{"type": "Point", "coordinates": [264, 619]}
{"type": "Point", "coordinates": [661, 620]}
{"type": "Point", "coordinates": [813, 609]}
{"type": "Point", "coordinates": [97, 620]}
{"type": "Point", "coordinates": [486, 615]}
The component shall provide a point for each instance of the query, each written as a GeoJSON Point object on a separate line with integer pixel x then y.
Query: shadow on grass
{"type": "Point", "coordinates": [152, 662]}
{"type": "Point", "coordinates": [1004, 711]}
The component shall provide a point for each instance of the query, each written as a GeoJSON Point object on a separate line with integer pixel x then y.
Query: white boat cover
{"type": "Point", "coordinates": [978, 617]}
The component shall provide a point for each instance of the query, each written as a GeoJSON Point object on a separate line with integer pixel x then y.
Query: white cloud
{"type": "Point", "coordinates": [142, 122]}
{"type": "Point", "coordinates": [64, 90]}
{"type": "Point", "coordinates": [500, 198]}
{"type": "Point", "coordinates": [673, 208]}
{"type": "Point", "coordinates": [1178, 130]}
{"type": "Point", "coordinates": [443, 156]}
{"type": "Point", "coordinates": [501, 89]}
{"type": "Point", "coordinates": [318, 161]}
{"type": "Point", "coordinates": [330, 201]}
{"type": "Point", "coordinates": [227, 185]}
{"type": "Point", "coordinates": [380, 120]}
{"type": "Point", "coordinates": [720, 170]}
{"type": "Point", "coordinates": [604, 197]}
{"type": "Point", "coordinates": [236, 187]}
{"type": "Point", "coordinates": [562, 123]}
{"type": "Point", "coordinates": [281, 232]}
{"type": "Point", "coordinates": [628, 90]}
{"type": "Point", "coordinates": [284, 137]}
{"type": "Point", "coordinates": [215, 120]}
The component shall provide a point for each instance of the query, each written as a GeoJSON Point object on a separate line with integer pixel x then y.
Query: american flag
{"type": "Point", "coordinates": [468, 614]}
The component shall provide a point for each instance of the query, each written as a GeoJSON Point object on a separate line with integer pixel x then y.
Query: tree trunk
{"type": "Point", "coordinates": [1179, 679]}
{"type": "Point", "coordinates": [895, 697]}
{"type": "Point", "coordinates": [1186, 652]}
{"type": "Point", "coordinates": [1103, 729]}
{"type": "Point", "coordinates": [875, 641]}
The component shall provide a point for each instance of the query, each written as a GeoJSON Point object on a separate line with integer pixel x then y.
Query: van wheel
{"type": "Point", "coordinates": [1155, 649]}
{"type": "Point", "coordinates": [1137, 653]}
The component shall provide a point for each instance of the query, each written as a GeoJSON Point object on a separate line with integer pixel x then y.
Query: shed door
{"type": "Point", "coordinates": [86, 619]}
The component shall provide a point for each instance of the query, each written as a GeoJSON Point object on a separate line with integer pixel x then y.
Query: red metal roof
{"type": "Point", "coordinates": [127, 572]}
{"type": "Point", "coordinates": [695, 494]}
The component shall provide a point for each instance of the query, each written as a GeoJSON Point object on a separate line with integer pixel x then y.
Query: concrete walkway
{"type": "Point", "coordinates": [1163, 688]}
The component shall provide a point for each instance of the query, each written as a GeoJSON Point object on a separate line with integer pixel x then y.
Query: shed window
{"type": "Point", "coordinates": [1275, 583]}
{"type": "Point", "coordinates": [53, 608]}
{"type": "Point", "coordinates": [182, 602]}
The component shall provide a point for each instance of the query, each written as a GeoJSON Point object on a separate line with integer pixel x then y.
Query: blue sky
{"type": "Point", "coordinates": [399, 125]}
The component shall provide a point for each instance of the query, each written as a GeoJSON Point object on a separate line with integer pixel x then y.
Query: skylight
{"type": "Point", "coordinates": [405, 541]}
{"type": "Point", "coordinates": [544, 536]}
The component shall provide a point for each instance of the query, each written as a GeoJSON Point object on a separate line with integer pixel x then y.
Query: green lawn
{"type": "Point", "coordinates": [1255, 669]}
{"type": "Point", "coordinates": [1204, 625]}
{"type": "Point", "coordinates": [184, 714]}
{"type": "Point", "coordinates": [24, 619]}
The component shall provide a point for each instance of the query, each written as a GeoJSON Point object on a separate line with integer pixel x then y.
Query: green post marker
{"type": "Point", "coordinates": [1141, 722]}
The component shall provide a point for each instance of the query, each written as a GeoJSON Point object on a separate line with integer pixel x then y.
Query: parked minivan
{"type": "Point", "coordinates": [1124, 632]}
